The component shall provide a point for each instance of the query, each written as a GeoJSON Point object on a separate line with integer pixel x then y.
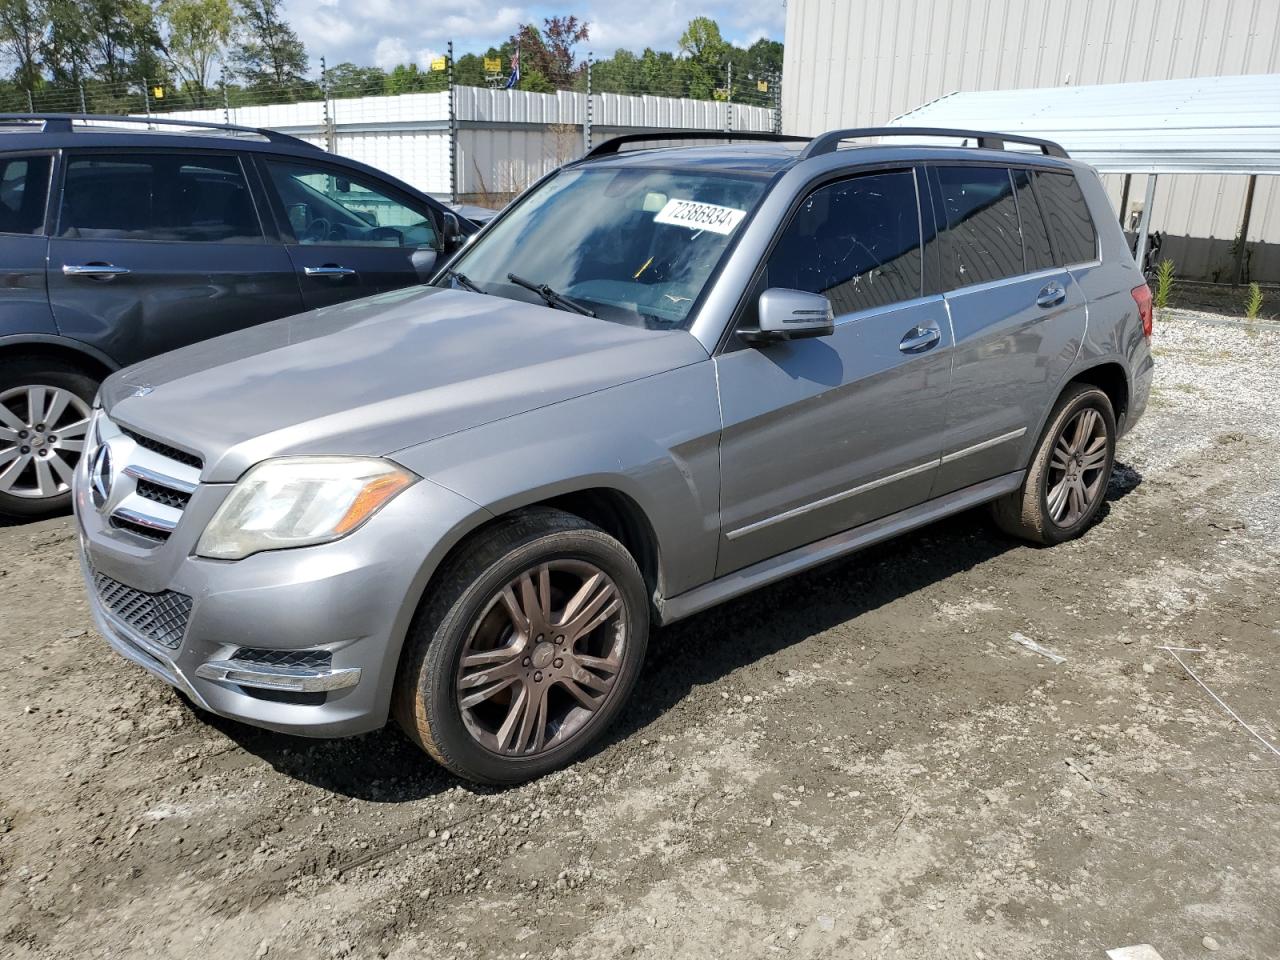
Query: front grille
{"type": "Point", "coordinates": [162, 494]}
{"type": "Point", "coordinates": [306, 659]}
{"type": "Point", "coordinates": [140, 530]}
{"type": "Point", "coordinates": [164, 449]}
{"type": "Point", "coordinates": [160, 617]}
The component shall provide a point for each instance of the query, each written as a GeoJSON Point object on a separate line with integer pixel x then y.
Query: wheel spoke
{"type": "Point", "coordinates": [12, 463]}
{"type": "Point", "coordinates": [1061, 457]}
{"type": "Point", "coordinates": [37, 401]}
{"type": "Point", "coordinates": [45, 481]}
{"type": "Point", "coordinates": [609, 666]}
{"type": "Point", "coordinates": [1057, 499]}
{"type": "Point", "coordinates": [11, 420]}
{"type": "Point", "coordinates": [515, 714]}
{"type": "Point", "coordinates": [1074, 498]}
{"type": "Point", "coordinates": [592, 682]}
{"type": "Point", "coordinates": [1092, 461]}
{"type": "Point", "coordinates": [483, 658]}
{"type": "Point", "coordinates": [595, 602]}
{"type": "Point", "coordinates": [1084, 429]}
{"type": "Point", "coordinates": [60, 467]}
{"type": "Point", "coordinates": [8, 434]}
{"type": "Point", "coordinates": [575, 689]}
{"type": "Point", "coordinates": [74, 431]}
{"type": "Point", "coordinates": [533, 725]}
{"type": "Point", "coordinates": [485, 693]}
{"type": "Point", "coordinates": [58, 402]}
{"type": "Point", "coordinates": [535, 599]}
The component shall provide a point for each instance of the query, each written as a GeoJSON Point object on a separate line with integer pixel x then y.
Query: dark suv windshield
{"type": "Point", "coordinates": [633, 245]}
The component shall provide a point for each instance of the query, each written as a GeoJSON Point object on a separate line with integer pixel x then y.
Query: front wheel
{"type": "Point", "coordinates": [1066, 482]}
{"type": "Point", "coordinates": [44, 423]}
{"type": "Point", "coordinates": [526, 650]}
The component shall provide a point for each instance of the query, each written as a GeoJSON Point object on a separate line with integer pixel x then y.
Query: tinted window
{"type": "Point", "coordinates": [1068, 216]}
{"type": "Point", "coordinates": [24, 183]}
{"type": "Point", "coordinates": [856, 241]}
{"type": "Point", "coordinates": [980, 216]}
{"type": "Point", "coordinates": [1035, 233]}
{"type": "Point", "coordinates": [158, 197]}
{"type": "Point", "coordinates": [324, 205]}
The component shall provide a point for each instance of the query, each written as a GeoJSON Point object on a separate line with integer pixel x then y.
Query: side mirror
{"type": "Point", "coordinates": [793, 315]}
{"type": "Point", "coordinates": [452, 230]}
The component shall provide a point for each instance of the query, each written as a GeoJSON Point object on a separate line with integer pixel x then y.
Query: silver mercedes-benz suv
{"type": "Point", "coordinates": [661, 378]}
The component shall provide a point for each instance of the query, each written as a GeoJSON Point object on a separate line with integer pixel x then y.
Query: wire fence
{"type": "Point", "coordinates": [660, 76]}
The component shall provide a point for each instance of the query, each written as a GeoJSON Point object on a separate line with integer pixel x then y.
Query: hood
{"type": "Point", "coordinates": [374, 376]}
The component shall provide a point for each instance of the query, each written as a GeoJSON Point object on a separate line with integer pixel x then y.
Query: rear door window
{"type": "Point", "coordinates": [979, 214]}
{"type": "Point", "coordinates": [24, 185]}
{"type": "Point", "coordinates": [202, 199]}
{"type": "Point", "coordinates": [1068, 216]}
{"type": "Point", "coordinates": [1035, 232]}
{"type": "Point", "coordinates": [856, 241]}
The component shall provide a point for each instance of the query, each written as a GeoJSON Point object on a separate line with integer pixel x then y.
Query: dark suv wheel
{"type": "Point", "coordinates": [1066, 482]}
{"type": "Point", "coordinates": [44, 422]}
{"type": "Point", "coordinates": [526, 649]}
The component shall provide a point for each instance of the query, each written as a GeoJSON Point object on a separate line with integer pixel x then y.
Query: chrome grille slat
{"type": "Point", "coordinates": [159, 480]}
{"type": "Point", "coordinates": [158, 617]}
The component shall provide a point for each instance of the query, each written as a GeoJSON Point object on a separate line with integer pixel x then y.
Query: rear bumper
{"type": "Point", "coordinates": [303, 641]}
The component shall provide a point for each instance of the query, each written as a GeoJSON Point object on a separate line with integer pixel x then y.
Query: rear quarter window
{"type": "Point", "coordinates": [982, 239]}
{"type": "Point", "coordinates": [1068, 215]}
{"type": "Point", "coordinates": [24, 183]}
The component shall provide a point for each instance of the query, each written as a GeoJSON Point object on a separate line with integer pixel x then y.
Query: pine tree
{"type": "Point", "coordinates": [267, 51]}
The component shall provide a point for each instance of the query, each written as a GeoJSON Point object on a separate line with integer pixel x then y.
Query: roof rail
{"type": "Point", "coordinates": [829, 142]}
{"type": "Point", "coordinates": [63, 123]}
{"type": "Point", "coordinates": [613, 144]}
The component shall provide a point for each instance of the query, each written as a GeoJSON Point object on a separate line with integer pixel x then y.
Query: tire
{"type": "Point", "coordinates": [1028, 512]}
{"type": "Point", "coordinates": [49, 453]}
{"type": "Point", "coordinates": [522, 659]}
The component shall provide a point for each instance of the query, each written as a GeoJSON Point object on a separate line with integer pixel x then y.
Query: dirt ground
{"type": "Point", "coordinates": [857, 764]}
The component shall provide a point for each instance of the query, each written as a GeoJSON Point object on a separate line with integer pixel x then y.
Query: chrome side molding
{"type": "Point", "coordinates": [266, 676]}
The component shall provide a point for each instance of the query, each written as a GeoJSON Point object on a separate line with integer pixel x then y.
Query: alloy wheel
{"type": "Point", "coordinates": [1077, 468]}
{"type": "Point", "coordinates": [543, 658]}
{"type": "Point", "coordinates": [42, 435]}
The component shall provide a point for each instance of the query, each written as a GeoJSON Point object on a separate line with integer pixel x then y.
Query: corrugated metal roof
{"type": "Point", "coordinates": [1223, 125]}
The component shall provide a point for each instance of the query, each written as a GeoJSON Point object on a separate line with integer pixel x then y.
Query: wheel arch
{"type": "Point", "coordinates": [1111, 378]}
{"type": "Point", "coordinates": [92, 361]}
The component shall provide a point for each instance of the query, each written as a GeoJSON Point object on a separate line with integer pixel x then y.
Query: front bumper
{"type": "Point", "coordinates": [346, 604]}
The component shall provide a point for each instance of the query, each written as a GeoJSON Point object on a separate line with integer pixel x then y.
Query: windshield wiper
{"type": "Point", "coordinates": [462, 281]}
{"type": "Point", "coordinates": [552, 298]}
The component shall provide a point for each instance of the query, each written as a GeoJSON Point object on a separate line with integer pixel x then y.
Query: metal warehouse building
{"type": "Point", "coordinates": [855, 63]}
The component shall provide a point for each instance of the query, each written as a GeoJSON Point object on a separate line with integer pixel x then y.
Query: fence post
{"type": "Point", "coordinates": [31, 103]}
{"type": "Point", "coordinates": [146, 95]}
{"type": "Point", "coordinates": [453, 131]}
{"type": "Point", "coordinates": [324, 93]}
{"type": "Point", "coordinates": [777, 103]}
{"type": "Point", "coordinates": [226, 100]}
{"type": "Point", "coordinates": [83, 108]}
{"type": "Point", "coordinates": [586, 126]}
{"type": "Point", "coordinates": [728, 117]}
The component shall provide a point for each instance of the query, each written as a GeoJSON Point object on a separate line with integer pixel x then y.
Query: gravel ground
{"type": "Point", "coordinates": [861, 763]}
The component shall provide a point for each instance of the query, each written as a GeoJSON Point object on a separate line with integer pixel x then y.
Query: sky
{"type": "Point", "coordinates": [387, 32]}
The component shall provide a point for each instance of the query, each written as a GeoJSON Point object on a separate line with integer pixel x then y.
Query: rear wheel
{"type": "Point", "coordinates": [526, 650]}
{"type": "Point", "coordinates": [44, 423]}
{"type": "Point", "coordinates": [1066, 482]}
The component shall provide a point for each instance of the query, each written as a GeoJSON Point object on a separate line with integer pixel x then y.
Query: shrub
{"type": "Point", "coordinates": [1164, 283]}
{"type": "Point", "coordinates": [1253, 305]}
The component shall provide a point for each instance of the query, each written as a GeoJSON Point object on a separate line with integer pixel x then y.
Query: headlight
{"type": "Point", "coordinates": [298, 501]}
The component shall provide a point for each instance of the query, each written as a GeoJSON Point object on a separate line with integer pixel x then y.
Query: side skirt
{"type": "Point", "coordinates": [671, 609]}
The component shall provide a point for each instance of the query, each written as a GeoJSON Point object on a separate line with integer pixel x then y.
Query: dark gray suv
{"type": "Point", "coordinates": [659, 379]}
{"type": "Point", "coordinates": [122, 238]}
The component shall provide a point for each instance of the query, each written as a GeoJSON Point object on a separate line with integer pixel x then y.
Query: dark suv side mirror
{"type": "Point", "coordinates": [792, 315]}
{"type": "Point", "coordinates": [452, 226]}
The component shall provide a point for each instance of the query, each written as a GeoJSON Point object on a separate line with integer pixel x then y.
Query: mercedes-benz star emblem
{"type": "Point", "coordinates": [100, 476]}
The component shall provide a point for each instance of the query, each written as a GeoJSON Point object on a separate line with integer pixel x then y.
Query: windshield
{"type": "Point", "coordinates": [632, 245]}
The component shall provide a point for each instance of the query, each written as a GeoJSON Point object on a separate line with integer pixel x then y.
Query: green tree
{"type": "Point", "coordinates": [349, 80]}
{"type": "Point", "coordinates": [267, 51]}
{"type": "Point", "coordinates": [22, 28]}
{"type": "Point", "coordinates": [547, 57]}
{"type": "Point", "coordinates": [706, 53]}
{"type": "Point", "coordinates": [196, 34]}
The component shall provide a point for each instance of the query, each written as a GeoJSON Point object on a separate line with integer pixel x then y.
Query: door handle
{"type": "Point", "coordinates": [1052, 295]}
{"type": "Point", "coordinates": [329, 270]}
{"type": "Point", "coordinates": [920, 339]}
{"type": "Point", "coordinates": [96, 271]}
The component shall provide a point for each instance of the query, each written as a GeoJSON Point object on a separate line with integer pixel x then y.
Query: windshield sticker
{"type": "Point", "coordinates": [699, 216]}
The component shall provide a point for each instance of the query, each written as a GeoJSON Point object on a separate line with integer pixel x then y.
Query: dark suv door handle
{"type": "Point", "coordinates": [920, 339]}
{"type": "Point", "coordinates": [1052, 295]}
{"type": "Point", "coordinates": [95, 271]}
{"type": "Point", "coordinates": [329, 270]}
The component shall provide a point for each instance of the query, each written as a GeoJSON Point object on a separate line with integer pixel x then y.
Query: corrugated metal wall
{"type": "Point", "coordinates": [862, 62]}
{"type": "Point", "coordinates": [506, 138]}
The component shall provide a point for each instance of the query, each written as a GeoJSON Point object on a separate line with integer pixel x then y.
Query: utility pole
{"type": "Point", "coordinates": [453, 130]}
{"type": "Point", "coordinates": [586, 126]}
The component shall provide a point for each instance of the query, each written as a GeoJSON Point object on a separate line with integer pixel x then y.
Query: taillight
{"type": "Point", "coordinates": [1142, 297]}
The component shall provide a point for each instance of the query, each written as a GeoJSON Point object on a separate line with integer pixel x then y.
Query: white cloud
{"type": "Point", "coordinates": [387, 32]}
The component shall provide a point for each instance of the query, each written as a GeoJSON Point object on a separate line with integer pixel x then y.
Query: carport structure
{"type": "Point", "coordinates": [1203, 125]}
